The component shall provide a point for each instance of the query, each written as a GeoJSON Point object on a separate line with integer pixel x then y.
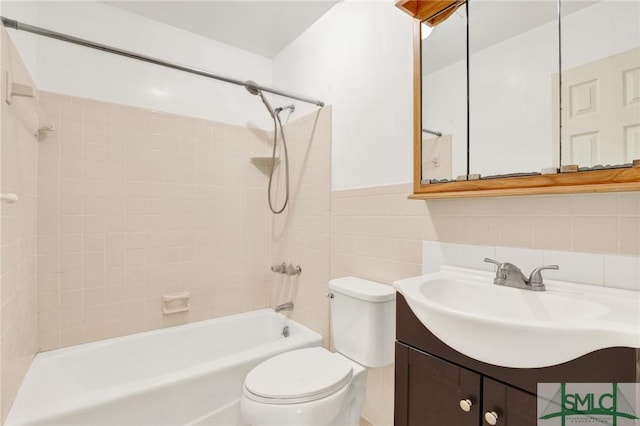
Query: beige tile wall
{"type": "Point", "coordinates": [377, 233]}
{"type": "Point", "coordinates": [597, 223]}
{"type": "Point", "coordinates": [18, 229]}
{"type": "Point", "coordinates": [301, 234]}
{"type": "Point", "coordinates": [134, 204]}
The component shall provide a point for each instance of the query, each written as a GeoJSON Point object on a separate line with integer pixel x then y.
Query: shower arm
{"type": "Point", "coordinates": [11, 23]}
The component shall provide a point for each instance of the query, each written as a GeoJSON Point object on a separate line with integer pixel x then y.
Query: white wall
{"type": "Point", "coordinates": [74, 70]}
{"type": "Point", "coordinates": [358, 58]}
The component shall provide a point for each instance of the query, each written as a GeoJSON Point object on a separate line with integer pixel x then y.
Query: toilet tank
{"type": "Point", "coordinates": [363, 320]}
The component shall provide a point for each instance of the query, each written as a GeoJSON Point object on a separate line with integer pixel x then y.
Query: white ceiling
{"type": "Point", "coordinates": [263, 27]}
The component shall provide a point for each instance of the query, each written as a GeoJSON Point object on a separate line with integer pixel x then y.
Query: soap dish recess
{"type": "Point", "coordinates": [263, 159]}
{"type": "Point", "coordinates": [264, 162]}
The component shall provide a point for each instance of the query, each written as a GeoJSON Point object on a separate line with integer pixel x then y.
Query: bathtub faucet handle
{"type": "Point", "coordinates": [293, 270]}
{"type": "Point", "coordinates": [279, 268]}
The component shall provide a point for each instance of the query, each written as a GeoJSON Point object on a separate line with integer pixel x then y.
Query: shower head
{"type": "Point", "coordinates": [291, 107]}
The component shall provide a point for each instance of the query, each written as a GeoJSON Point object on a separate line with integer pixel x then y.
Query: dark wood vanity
{"type": "Point", "coordinates": [432, 379]}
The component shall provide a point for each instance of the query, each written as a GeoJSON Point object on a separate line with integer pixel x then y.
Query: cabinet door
{"type": "Point", "coordinates": [433, 390]}
{"type": "Point", "coordinates": [511, 406]}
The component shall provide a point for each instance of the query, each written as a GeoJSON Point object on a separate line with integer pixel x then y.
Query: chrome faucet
{"type": "Point", "coordinates": [288, 306]}
{"type": "Point", "coordinates": [510, 275]}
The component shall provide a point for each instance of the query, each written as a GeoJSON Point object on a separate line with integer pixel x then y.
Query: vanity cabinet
{"type": "Point", "coordinates": [435, 385]}
{"type": "Point", "coordinates": [435, 389]}
{"type": "Point", "coordinates": [509, 405]}
{"type": "Point", "coordinates": [441, 393]}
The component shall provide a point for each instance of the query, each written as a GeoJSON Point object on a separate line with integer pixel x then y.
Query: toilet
{"type": "Point", "coordinates": [316, 387]}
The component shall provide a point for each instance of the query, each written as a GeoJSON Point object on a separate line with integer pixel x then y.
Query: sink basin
{"type": "Point", "coordinates": [519, 328]}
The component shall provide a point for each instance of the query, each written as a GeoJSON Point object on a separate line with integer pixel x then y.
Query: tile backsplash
{"type": "Point", "coordinates": [605, 270]}
{"type": "Point", "coordinates": [595, 238]}
{"type": "Point", "coordinates": [596, 223]}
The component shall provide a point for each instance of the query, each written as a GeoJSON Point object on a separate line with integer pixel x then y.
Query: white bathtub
{"type": "Point", "coordinates": [190, 374]}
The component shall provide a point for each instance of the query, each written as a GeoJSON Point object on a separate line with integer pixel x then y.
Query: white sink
{"type": "Point", "coordinates": [521, 328]}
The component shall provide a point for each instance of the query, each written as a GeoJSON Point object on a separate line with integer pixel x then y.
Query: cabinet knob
{"type": "Point", "coordinates": [491, 417]}
{"type": "Point", "coordinates": [465, 405]}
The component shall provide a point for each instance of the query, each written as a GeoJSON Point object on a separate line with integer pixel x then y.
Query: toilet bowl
{"type": "Point", "coordinates": [316, 387]}
{"type": "Point", "coordinates": [310, 386]}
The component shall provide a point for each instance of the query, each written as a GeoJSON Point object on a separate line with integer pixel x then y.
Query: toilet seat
{"type": "Point", "coordinates": [298, 376]}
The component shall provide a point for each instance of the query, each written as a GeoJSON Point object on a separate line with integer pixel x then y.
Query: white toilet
{"type": "Point", "coordinates": [315, 387]}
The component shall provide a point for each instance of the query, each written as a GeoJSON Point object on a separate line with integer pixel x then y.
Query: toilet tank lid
{"type": "Point", "coordinates": [359, 288]}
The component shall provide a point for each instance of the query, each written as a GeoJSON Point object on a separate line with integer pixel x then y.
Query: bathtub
{"type": "Point", "coordinates": [186, 375]}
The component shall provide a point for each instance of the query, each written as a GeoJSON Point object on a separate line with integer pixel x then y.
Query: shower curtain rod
{"type": "Point", "coordinates": [11, 23]}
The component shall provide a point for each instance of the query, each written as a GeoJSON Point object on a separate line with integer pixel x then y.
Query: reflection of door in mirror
{"type": "Point", "coordinates": [601, 84]}
{"type": "Point", "coordinates": [444, 98]}
{"type": "Point", "coordinates": [513, 55]}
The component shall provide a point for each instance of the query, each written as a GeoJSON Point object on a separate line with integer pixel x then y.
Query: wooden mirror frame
{"type": "Point", "coordinates": [623, 179]}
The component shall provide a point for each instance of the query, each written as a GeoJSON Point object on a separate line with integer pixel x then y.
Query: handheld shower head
{"type": "Point", "coordinates": [253, 88]}
{"type": "Point", "coordinates": [291, 107]}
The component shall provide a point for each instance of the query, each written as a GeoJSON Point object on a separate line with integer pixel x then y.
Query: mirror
{"type": "Point", "coordinates": [513, 56]}
{"type": "Point", "coordinates": [600, 83]}
{"type": "Point", "coordinates": [507, 56]}
{"type": "Point", "coordinates": [444, 98]}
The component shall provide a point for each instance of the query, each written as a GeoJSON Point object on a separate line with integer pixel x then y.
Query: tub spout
{"type": "Point", "coordinates": [284, 307]}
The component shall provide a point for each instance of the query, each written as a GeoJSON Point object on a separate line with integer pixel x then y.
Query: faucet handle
{"type": "Point", "coordinates": [280, 268]}
{"type": "Point", "coordinates": [292, 270]}
{"type": "Point", "coordinates": [495, 262]}
{"type": "Point", "coordinates": [535, 279]}
{"type": "Point", "coordinates": [500, 272]}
